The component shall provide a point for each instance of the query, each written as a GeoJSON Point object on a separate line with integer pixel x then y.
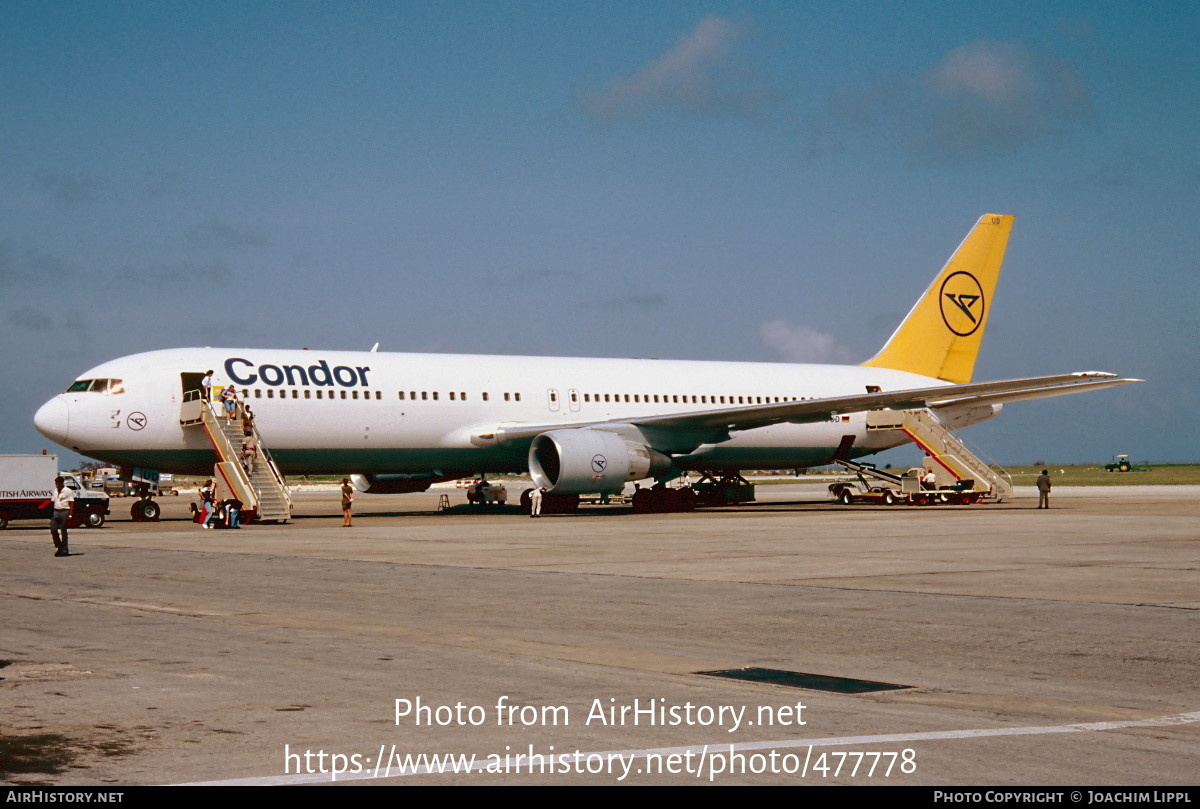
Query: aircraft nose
{"type": "Point", "coordinates": [53, 420]}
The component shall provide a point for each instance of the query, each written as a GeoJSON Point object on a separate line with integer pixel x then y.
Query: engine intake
{"type": "Point", "coordinates": [587, 461]}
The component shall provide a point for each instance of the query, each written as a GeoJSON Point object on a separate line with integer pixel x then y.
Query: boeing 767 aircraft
{"type": "Point", "coordinates": [400, 422]}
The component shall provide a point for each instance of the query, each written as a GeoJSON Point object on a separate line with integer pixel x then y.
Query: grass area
{"type": "Point", "coordinates": [1067, 475]}
{"type": "Point", "coordinates": [1095, 475]}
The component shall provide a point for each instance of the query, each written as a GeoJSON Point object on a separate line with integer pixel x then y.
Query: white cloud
{"type": "Point", "coordinates": [695, 74]}
{"type": "Point", "coordinates": [981, 98]}
{"type": "Point", "coordinates": [997, 72]}
{"type": "Point", "coordinates": [798, 343]}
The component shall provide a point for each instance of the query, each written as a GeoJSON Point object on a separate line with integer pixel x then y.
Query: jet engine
{"type": "Point", "coordinates": [587, 461]}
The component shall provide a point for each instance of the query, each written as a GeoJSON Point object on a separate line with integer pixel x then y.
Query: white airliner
{"type": "Point", "coordinates": [403, 421]}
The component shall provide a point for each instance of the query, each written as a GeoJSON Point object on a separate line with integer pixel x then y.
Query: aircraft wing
{"type": "Point", "coordinates": [678, 430]}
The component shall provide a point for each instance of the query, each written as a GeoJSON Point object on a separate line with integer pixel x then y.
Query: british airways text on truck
{"type": "Point", "coordinates": [27, 492]}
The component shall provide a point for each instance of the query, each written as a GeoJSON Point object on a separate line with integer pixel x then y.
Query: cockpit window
{"type": "Point", "coordinates": [109, 386]}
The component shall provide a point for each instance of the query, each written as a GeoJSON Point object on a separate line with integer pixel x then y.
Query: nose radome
{"type": "Point", "coordinates": [53, 420]}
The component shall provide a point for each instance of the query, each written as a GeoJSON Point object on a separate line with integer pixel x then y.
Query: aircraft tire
{"type": "Point", "coordinates": [144, 511]}
{"type": "Point", "coordinates": [687, 500]}
{"type": "Point", "coordinates": [643, 501]}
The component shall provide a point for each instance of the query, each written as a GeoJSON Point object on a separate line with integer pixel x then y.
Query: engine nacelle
{"type": "Point", "coordinates": [587, 461]}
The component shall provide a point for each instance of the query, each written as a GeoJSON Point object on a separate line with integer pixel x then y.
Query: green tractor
{"type": "Point", "coordinates": [1120, 463]}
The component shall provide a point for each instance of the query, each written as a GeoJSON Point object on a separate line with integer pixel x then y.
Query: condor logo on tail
{"type": "Point", "coordinates": [962, 303]}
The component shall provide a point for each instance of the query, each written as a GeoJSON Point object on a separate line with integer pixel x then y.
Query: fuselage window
{"type": "Point", "coordinates": [424, 395]}
{"type": "Point", "coordinates": [462, 394]}
{"type": "Point", "coordinates": [517, 396]}
{"type": "Point", "coordinates": [507, 397]}
{"type": "Point", "coordinates": [452, 396]}
{"type": "Point", "coordinates": [484, 394]}
{"type": "Point", "coordinates": [295, 393]}
{"type": "Point", "coordinates": [401, 395]}
{"type": "Point", "coordinates": [412, 394]}
{"type": "Point", "coordinates": [378, 395]}
{"type": "Point", "coordinates": [307, 393]}
{"type": "Point", "coordinates": [343, 394]}
{"type": "Point", "coordinates": [353, 394]}
{"type": "Point", "coordinates": [553, 396]}
{"type": "Point", "coordinates": [627, 397]}
{"type": "Point", "coordinates": [606, 397]}
{"type": "Point", "coordinates": [270, 393]}
{"type": "Point", "coordinates": [435, 393]}
{"type": "Point", "coordinates": [574, 397]}
{"type": "Point", "coordinates": [319, 394]}
{"type": "Point", "coordinates": [258, 393]}
{"type": "Point", "coordinates": [587, 397]}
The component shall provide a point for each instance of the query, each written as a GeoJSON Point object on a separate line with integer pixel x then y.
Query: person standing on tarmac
{"type": "Point", "coordinates": [64, 504]}
{"type": "Point", "coordinates": [535, 502]}
{"type": "Point", "coordinates": [347, 503]}
{"type": "Point", "coordinates": [1043, 487]}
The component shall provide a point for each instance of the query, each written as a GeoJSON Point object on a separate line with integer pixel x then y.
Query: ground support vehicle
{"type": "Point", "coordinates": [27, 492]}
{"type": "Point", "coordinates": [482, 493]}
{"type": "Point", "coordinates": [904, 488]}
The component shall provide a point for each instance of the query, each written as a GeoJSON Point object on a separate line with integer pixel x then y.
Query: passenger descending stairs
{"type": "Point", "coordinates": [951, 456]}
{"type": "Point", "coordinates": [262, 490]}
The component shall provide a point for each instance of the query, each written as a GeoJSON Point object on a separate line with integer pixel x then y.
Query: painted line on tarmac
{"type": "Point", "coordinates": [482, 763]}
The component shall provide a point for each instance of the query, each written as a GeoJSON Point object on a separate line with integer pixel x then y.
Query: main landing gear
{"type": "Point", "coordinates": [144, 511]}
{"type": "Point", "coordinates": [659, 499]}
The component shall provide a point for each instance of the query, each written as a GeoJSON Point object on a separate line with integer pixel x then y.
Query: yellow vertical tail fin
{"type": "Point", "coordinates": [941, 335]}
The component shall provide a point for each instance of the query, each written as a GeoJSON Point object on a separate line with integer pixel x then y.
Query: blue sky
{"type": "Point", "coordinates": [705, 180]}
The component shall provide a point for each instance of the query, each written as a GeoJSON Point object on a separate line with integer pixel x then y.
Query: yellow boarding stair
{"type": "Point", "coordinates": [948, 454]}
{"type": "Point", "coordinates": [261, 488]}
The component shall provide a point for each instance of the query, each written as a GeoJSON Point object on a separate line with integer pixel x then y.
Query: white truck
{"type": "Point", "coordinates": [27, 492]}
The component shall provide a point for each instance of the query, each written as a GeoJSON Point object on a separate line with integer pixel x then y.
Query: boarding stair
{"type": "Point", "coordinates": [261, 488]}
{"type": "Point", "coordinates": [949, 454]}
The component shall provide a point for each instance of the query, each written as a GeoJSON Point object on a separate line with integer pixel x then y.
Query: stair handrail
{"type": "Point", "coordinates": [280, 482]}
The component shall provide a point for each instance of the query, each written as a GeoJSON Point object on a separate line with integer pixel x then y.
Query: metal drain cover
{"type": "Point", "coordinates": [798, 679]}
